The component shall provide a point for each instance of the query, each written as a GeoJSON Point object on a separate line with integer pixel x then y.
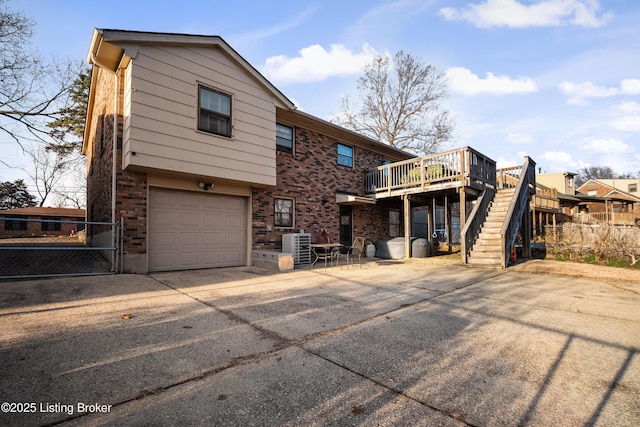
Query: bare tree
{"type": "Point", "coordinates": [30, 88]}
{"type": "Point", "coordinates": [400, 104]}
{"type": "Point", "coordinates": [47, 168]}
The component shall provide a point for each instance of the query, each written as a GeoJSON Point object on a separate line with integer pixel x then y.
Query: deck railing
{"type": "Point", "coordinates": [464, 165]}
{"type": "Point", "coordinates": [546, 199]}
{"type": "Point", "coordinates": [615, 218]}
{"type": "Point", "coordinates": [524, 188]}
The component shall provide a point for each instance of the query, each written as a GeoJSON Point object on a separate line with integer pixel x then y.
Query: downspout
{"type": "Point", "coordinates": [114, 171]}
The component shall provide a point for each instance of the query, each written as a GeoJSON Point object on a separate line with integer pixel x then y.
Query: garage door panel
{"type": "Point", "coordinates": [234, 205]}
{"type": "Point", "coordinates": [234, 222]}
{"type": "Point", "coordinates": [164, 239]}
{"type": "Point", "coordinates": [190, 219]}
{"type": "Point", "coordinates": [190, 259]}
{"type": "Point", "coordinates": [213, 239]}
{"type": "Point", "coordinates": [233, 256]}
{"type": "Point", "coordinates": [213, 220]}
{"type": "Point", "coordinates": [164, 217]}
{"type": "Point", "coordinates": [195, 230]}
{"type": "Point", "coordinates": [233, 239]}
{"type": "Point", "coordinates": [189, 239]}
{"type": "Point", "coordinates": [162, 199]}
{"type": "Point", "coordinates": [191, 200]}
{"type": "Point", "coordinates": [212, 258]}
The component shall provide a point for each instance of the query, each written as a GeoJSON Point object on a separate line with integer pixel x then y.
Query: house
{"type": "Point", "coordinates": [555, 201]}
{"type": "Point", "coordinates": [38, 221]}
{"type": "Point", "coordinates": [203, 160]}
{"type": "Point", "coordinates": [615, 201]}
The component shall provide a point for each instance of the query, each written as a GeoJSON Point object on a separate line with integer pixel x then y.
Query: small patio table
{"type": "Point", "coordinates": [328, 251]}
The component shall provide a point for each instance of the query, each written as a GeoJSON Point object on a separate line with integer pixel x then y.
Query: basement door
{"type": "Point", "coordinates": [189, 230]}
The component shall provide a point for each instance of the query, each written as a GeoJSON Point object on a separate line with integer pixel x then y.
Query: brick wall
{"type": "Point", "coordinates": [131, 192]}
{"type": "Point", "coordinates": [312, 177]}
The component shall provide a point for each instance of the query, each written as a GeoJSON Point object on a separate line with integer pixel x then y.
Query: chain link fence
{"type": "Point", "coordinates": [32, 248]}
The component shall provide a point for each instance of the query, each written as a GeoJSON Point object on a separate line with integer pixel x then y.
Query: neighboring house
{"type": "Point", "coordinates": [39, 221]}
{"type": "Point", "coordinates": [555, 201]}
{"type": "Point", "coordinates": [203, 160]}
{"type": "Point", "coordinates": [616, 201]}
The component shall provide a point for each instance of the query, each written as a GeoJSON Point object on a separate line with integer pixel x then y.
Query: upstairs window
{"type": "Point", "coordinates": [284, 138]}
{"type": "Point", "coordinates": [214, 112]}
{"type": "Point", "coordinates": [633, 188]}
{"type": "Point", "coordinates": [345, 155]}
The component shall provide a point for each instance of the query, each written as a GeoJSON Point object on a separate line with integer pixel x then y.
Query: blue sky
{"type": "Point", "coordinates": [557, 80]}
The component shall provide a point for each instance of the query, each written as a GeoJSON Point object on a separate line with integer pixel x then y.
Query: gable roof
{"type": "Point", "coordinates": [613, 191]}
{"type": "Point", "coordinates": [43, 211]}
{"type": "Point", "coordinates": [113, 48]}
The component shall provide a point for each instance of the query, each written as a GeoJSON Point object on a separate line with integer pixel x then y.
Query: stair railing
{"type": "Point", "coordinates": [524, 188]}
{"type": "Point", "coordinates": [473, 224]}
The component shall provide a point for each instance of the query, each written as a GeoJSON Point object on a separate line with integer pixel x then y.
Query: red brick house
{"type": "Point", "coordinates": [38, 221]}
{"type": "Point", "coordinates": [616, 201]}
{"type": "Point", "coordinates": [204, 160]}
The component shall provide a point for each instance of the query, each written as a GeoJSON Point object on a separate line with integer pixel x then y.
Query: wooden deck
{"type": "Point", "coordinates": [455, 175]}
{"type": "Point", "coordinates": [450, 170]}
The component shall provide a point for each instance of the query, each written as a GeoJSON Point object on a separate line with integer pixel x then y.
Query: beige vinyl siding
{"type": "Point", "coordinates": [163, 130]}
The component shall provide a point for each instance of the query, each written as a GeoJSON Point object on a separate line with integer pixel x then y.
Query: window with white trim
{"type": "Point", "coordinates": [283, 211]}
{"type": "Point", "coordinates": [214, 111]}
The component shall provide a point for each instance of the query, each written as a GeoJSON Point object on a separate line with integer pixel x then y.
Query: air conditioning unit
{"type": "Point", "coordinates": [299, 245]}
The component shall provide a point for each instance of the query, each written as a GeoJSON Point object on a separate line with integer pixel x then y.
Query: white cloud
{"type": "Point", "coordinates": [630, 86]}
{"type": "Point", "coordinates": [511, 13]}
{"type": "Point", "coordinates": [629, 117]}
{"type": "Point", "coordinates": [579, 92]}
{"type": "Point", "coordinates": [314, 64]}
{"type": "Point", "coordinates": [503, 163]}
{"type": "Point", "coordinates": [560, 157]}
{"type": "Point", "coordinates": [462, 80]}
{"type": "Point", "coordinates": [519, 138]}
{"type": "Point", "coordinates": [627, 107]}
{"type": "Point", "coordinates": [626, 123]}
{"type": "Point", "coordinates": [608, 146]}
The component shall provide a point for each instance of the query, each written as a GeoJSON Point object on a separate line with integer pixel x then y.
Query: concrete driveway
{"type": "Point", "coordinates": [395, 343]}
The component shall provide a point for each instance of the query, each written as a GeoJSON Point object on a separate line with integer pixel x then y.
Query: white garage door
{"type": "Point", "coordinates": [194, 230]}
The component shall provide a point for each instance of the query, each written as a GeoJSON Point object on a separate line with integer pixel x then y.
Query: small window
{"type": "Point", "coordinates": [15, 225]}
{"type": "Point", "coordinates": [283, 212]}
{"type": "Point", "coordinates": [214, 112]}
{"type": "Point", "coordinates": [284, 138]}
{"type": "Point", "coordinates": [345, 155]}
{"type": "Point", "coordinates": [633, 188]}
{"type": "Point", "coordinates": [592, 193]}
{"type": "Point", "coordinates": [47, 224]}
{"type": "Point", "coordinates": [394, 223]}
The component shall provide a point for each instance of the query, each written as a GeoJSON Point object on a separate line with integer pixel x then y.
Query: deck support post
{"type": "Point", "coordinates": [407, 226]}
{"type": "Point", "coordinates": [463, 217]}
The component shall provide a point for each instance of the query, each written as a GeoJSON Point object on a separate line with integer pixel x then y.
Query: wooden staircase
{"type": "Point", "coordinates": [487, 249]}
{"type": "Point", "coordinates": [498, 216]}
